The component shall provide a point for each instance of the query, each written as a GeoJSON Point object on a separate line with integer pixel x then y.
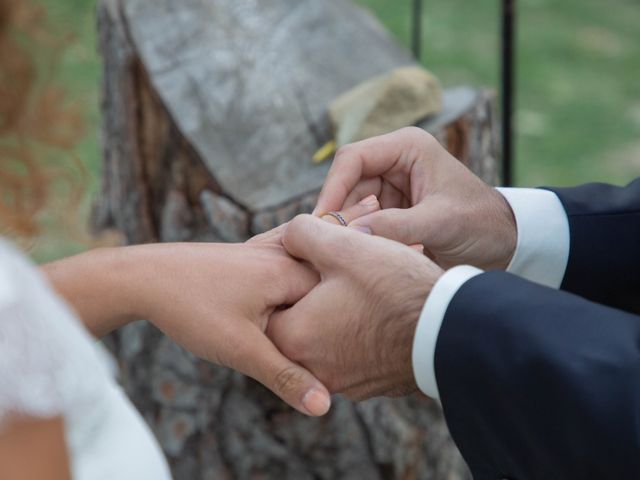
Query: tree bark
{"type": "Point", "coordinates": [200, 144]}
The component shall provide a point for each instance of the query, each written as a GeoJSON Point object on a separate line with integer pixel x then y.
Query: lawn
{"type": "Point", "coordinates": [578, 98]}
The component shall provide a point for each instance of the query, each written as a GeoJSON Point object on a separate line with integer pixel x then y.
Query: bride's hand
{"type": "Point", "coordinates": [216, 299]}
{"type": "Point", "coordinates": [213, 299]}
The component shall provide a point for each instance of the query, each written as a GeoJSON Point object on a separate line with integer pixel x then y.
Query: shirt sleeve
{"type": "Point", "coordinates": [428, 328]}
{"type": "Point", "coordinates": [542, 249]}
{"type": "Point", "coordinates": [541, 256]}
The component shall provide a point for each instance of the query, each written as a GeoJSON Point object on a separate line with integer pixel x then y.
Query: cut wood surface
{"type": "Point", "coordinates": [212, 110]}
{"type": "Point", "coordinates": [229, 73]}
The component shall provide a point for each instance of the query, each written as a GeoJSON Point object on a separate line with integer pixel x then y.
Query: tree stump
{"type": "Point", "coordinates": [212, 110]}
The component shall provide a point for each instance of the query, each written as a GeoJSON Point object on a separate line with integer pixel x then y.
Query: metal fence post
{"type": "Point", "coordinates": [508, 88]}
{"type": "Point", "coordinates": [416, 30]}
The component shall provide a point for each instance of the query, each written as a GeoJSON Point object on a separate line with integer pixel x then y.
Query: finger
{"type": "Point", "coordinates": [285, 327]}
{"type": "Point", "coordinates": [418, 247]}
{"type": "Point", "coordinates": [366, 159]}
{"type": "Point", "coordinates": [391, 197]}
{"type": "Point", "coordinates": [259, 358]}
{"type": "Point", "coordinates": [289, 329]}
{"type": "Point", "coordinates": [402, 225]}
{"type": "Point", "coordinates": [364, 188]}
{"type": "Point", "coordinates": [365, 206]}
{"type": "Point", "coordinates": [318, 242]}
{"type": "Point", "coordinates": [280, 329]}
{"type": "Point", "coordinates": [295, 280]}
{"type": "Point", "coordinates": [388, 195]}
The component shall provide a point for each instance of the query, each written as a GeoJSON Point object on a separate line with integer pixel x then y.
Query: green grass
{"type": "Point", "coordinates": [578, 78]}
{"type": "Point", "coordinates": [578, 81]}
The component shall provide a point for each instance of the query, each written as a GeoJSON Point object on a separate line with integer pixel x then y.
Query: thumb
{"type": "Point", "coordinates": [259, 358]}
{"type": "Point", "coordinates": [319, 242]}
{"type": "Point", "coordinates": [404, 225]}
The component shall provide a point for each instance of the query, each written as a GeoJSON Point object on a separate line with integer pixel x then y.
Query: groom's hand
{"type": "Point", "coordinates": [427, 197]}
{"type": "Point", "coordinates": [355, 329]}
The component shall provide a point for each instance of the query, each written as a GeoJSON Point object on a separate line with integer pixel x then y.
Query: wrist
{"type": "Point", "coordinates": [142, 278]}
{"type": "Point", "coordinates": [121, 278]}
{"type": "Point", "coordinates": [160, 278]}
{"type": "Point", "coordinates": [112, 272]}
{"type": "Point", "coordinates": [542, 235]}
{"type": "Point", "coordinates": [508, 231]}
{"type": "Point", "coordinates": [93, 284]}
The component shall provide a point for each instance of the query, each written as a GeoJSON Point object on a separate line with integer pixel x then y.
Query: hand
{"type": "Point", "coordinates": [355, 329]}
{"type": "Point", "coordinates": [427, 197]}
{"type": "Point", "coordinates": [216, 300]}
{"type": "Point", "coordinates": [213, 299]}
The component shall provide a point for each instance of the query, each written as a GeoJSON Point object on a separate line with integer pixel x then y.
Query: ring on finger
{"type": "Point", "coordinates": [338, 216]}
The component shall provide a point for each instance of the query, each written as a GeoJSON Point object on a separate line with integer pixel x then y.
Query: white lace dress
{"type": "Point", "coordinates": [51, 366]}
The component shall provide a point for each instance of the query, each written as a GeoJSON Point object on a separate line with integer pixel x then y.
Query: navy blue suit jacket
{"type": "Point", "coordinates": [537, 383]}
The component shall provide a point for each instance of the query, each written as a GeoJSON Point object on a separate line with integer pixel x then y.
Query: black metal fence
{"type": "Point", "coordinates": [507, 76]}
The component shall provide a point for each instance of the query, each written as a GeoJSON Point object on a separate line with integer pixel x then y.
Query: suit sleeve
{"type": "Point", "coordinates": [604, 253]}
{"type": "Point", "coordinates": [537, 383]}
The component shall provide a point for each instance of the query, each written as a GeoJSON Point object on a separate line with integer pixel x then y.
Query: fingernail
{"type": "Point", "coordinates": [316, 402]}
{"type": "Point", "coordinates": [369, 201]}
{"type": "Point", "coordinates": [361, 228]}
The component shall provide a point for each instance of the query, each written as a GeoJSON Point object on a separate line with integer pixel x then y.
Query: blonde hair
{"type": "Point", "coordinates": [38, 127]}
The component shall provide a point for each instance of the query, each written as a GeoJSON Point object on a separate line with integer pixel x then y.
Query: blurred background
{"type": "Point", "coordinates": [578, 84]}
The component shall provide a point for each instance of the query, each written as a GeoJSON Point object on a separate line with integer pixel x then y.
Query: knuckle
{"type": "Point", "coordinates": [299, 224]}
{"type": "Point", "coordinates": [418, 136]}
{"type": "Point", "coordinates": [299, 221]}
{"type": "Point", "coordinates": [414, 131]}
{"type": "Point", "coordinates": [288, 380]}
{"type": "Point", "coordinates": [426, 139]}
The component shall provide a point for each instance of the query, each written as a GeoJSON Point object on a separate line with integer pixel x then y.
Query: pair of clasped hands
{"type": "Point", "coordinates": [313, 307]}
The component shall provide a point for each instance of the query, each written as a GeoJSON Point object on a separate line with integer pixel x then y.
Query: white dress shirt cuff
{"type": "Point", "coordinates": [428, 328]}
{"type": "Point", "coordinates": [542, 249]}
